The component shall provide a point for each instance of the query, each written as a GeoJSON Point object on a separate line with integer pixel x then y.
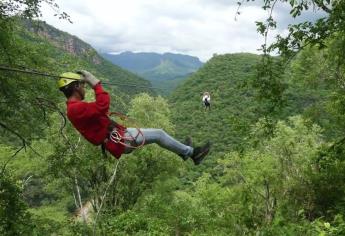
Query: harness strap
{"type": "Point", "coordinates": [114, 135]}
{"type": "Point", "coordinates": [103, 150]}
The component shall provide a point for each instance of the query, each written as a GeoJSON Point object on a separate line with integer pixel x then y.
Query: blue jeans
{"type": "Point", "coordinates": [159, 137]}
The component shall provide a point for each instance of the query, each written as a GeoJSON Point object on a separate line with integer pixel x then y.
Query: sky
{"type": "Point", "coordinates": [198, 28]}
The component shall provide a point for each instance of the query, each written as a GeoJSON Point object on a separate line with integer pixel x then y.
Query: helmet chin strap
{"type": "Point", "coordinates": [78, 91]}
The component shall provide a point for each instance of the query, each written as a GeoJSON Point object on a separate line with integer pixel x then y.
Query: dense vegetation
{"type": "Point", "coordinates": [276, 167]}
{"type": "Point", "coordinates": [233, 105]}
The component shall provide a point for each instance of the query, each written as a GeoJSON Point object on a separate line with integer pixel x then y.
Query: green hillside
{"type": "Point", "coordinates": [236, 108]}
{"type": "Point", "coordinates": [165, 68]}
{"type": "Point", "coordinates": [67, 52]}
{"type": "Point", "coordinates": [164, 71]}
{"type": "Point", "coordinates": [167, 76]}
{"type": "Point", "coordinates": [233, 106]}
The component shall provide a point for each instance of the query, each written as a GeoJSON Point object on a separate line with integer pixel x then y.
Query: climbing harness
{"type": "Point", "coordinates": [116, 137]}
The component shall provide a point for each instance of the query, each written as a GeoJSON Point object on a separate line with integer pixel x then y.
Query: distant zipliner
{"type": "Point", "coordinates": [206, 100]}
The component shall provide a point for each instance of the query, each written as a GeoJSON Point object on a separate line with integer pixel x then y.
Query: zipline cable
{"type": "Point", "coordinates": [34, 72]}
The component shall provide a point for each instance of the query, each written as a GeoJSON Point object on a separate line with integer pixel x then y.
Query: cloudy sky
{"type": "Point", "coordinates": [194, 27]}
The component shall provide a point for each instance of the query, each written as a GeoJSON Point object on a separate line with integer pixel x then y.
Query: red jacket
{"type": "Point", "coordinates": [92, 121]}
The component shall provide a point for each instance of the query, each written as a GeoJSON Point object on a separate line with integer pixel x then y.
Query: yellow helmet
{"type": "Point", "coordinates": [67, 78]}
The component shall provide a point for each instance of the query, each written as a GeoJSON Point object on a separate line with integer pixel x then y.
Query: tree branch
{"type": "Point", "coordinates": [25, 144]}
{"type": "Point", "coordinates": [53, 106]}
{"type": "Point", "coordinates": [9, 159]}
{"type": "Point", "coordinates": [104, 195]}
{"type": "Point", "coordinates": [238, 9]}
{"type": "Point", "coordinates": [321, 5]}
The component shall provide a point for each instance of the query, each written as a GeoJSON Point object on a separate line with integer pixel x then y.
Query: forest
{"type": "Point", "coordinates": [277, 122]}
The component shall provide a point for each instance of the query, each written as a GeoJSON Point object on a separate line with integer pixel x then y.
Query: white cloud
{"type": "Point", "coordinates": [196, 27]}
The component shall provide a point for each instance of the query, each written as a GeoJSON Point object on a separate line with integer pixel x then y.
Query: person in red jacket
{"type": "Point", "coordinates": [93, 123]}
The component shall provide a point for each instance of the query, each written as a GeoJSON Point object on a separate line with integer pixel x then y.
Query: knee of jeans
{"type": "Point", "coordinates": [161, 133]}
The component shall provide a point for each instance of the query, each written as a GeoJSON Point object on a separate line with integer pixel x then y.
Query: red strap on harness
{"type": "Point", "coordinates": [117, 138]}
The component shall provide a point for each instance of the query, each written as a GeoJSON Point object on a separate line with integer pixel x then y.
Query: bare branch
{"type": "Point", "coordinates": [104, 195]}
{"type": "Point", "coordinates": [10, 159]}
{"type": "Point", "coordinates": [268, 26]}
{"type": "Point", "coordinates": [25, 144]}
{"type": "Point", "coordinates": [26, 181]}
{"type": "Point", "coordinates": [53, 106]}
{"type": "Point", "coordinates": [238, 9]}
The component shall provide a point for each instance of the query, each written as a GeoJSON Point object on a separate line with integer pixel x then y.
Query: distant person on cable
{"type": "Point", "coordinates": [206, 99]}
{"type": "Point", "coordinates": [92, 121]}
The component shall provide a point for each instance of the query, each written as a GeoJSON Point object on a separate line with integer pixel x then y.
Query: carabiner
{"type": "Point", "coordinates": [115, 136]}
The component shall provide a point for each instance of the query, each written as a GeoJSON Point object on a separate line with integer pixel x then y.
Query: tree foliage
{"type": "Point", "coordinates": [276, 165]}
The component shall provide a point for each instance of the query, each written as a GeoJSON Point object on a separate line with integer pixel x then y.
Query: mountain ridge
{"type": "Point", "coordinates": [165, 70]}
{"type": "Point", "coordinates": [72, 53]}
{"type": "Point", "coordinates": [143, 61]}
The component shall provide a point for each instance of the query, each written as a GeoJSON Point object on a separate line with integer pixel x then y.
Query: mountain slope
{"type": "Point", "coordinates": [145, 61]}
{"type": "Point", "coordinates": [68, 52]}
{"type": "Point", "coordinates": [236, 107]}
{"type": "Point", "coordinates": [163, 70]}
{"type": "Point", "coordinates": [233, 106]}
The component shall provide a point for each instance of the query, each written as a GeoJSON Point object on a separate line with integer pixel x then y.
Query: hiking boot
{"type": "Point", "coordinates": [188, 141]}
{"type": "Point", "coordinates": [199, 153]}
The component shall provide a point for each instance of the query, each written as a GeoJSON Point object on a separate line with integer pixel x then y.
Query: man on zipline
{"type": "Point", "coordinates": [92, 121]}
{"type": "Point", "coordinates": [206, 99]}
